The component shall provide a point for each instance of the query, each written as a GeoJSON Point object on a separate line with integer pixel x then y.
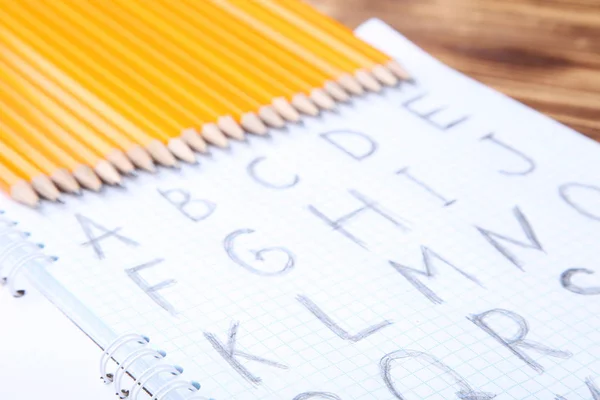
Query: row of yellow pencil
{"type": "Point", "coordinates": [93, 90]}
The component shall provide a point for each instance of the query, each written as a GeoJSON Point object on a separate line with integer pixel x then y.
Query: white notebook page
{"type": "Point", "coordinates": [436, 241]}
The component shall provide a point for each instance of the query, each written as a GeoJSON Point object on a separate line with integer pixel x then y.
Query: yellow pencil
{"type": "Point", "coordinates": [309, 43]}
{"type": "Point", "coordinates": [26, 120]}
{"type": "Point", "coordinates": [310, 28]}
{"type": "Point", "coordinates": [54, 126]}
{"type": "Point", "coordinates": [18, 188]}
{"type": "Point", "coordinates": [125, 94]}
{"type": "Point", "coordinates": [267, 48]}
{"type": "Point", "coordinates": [275, 80]}
{"type": "Point", "coordinates": [140, 35]}
{"type": "Point", "coordinates": [180, 39]}
{"type": "Point", "coordinates": [60, 176]}
{"type": "Point", "coordinates": [101, 135]}
{"type": "Point", "coordinates": [156, 149]}
{"type": "Point", "coordinates": [26, 170]}
{"type": "Point", "coordinates": [343, 33]}
{"type": "Point", "coordinates": [186, 11]}
{"type": "Point", "coordinates": [345, 79]}
{"type": "Point", "coordinates": [197, 108]}
{"type": "Point", "coordinates": [77, 129]}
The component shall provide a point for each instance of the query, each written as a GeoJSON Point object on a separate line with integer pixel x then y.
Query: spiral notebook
{"type": "Point", "coordinates": [435, 241]}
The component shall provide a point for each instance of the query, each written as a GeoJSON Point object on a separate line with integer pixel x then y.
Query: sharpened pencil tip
{"type": "Point", "coordinates": [336, 91]}
{"type": "Point", "coordinates": [230, 127]}
{"type": "Point", "coordinates": [367, 80]}
{"type": "Point", "coordinates": [285, 109]}
{"type": "Point", "coordinates": [253, 124]}
{"type": "Point", "coordinates": [384, 75]}
{"type": "Point", "coordinates": [213, 135]}
{"type": "Point", "coordinates": [270, 117]}
{"type": "Point", "coordinates": [181, 150]}
{"type": "Point", "coordinates": [194, 140]}
{"type": "Point", "coordinates": [160, 153]}
{"type": "Point", "coordinates": [303, 104]}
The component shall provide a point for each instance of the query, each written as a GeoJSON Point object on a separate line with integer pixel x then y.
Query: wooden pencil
{"type": "Point", "coordinates": [123, 78]}
{"type": "Point", "coordinates": [153, 119]}
{"type": "Point", "coordinates": [156, 149]}
{"type": "Point", "coordinates": [141, 35]}
{"type": "Point", "coordinates": [102, 134]}
{"type": "Point", "coordinates": [274, 21]}
{"type": "Point", "coordinates": [95, 89]}
{"type": "Point", "coordinates": [224, 57]}
{"type": "Point", "coordinates": [345, 79]}
{"type": "Point", "coordinates": [196, 25]}
{"type": "Point", "coordinates": [186, 11]}
{"type": "Point", "coordinates": [198, 106]}
{"type": "Point", "coordinates": [179, 38]}
{"type": "Point", "coordinates": [30, 129]}
{"type": "Point", "coordinates": [60, 176]}
{"type": "Point", "coordinates": [310, 28]}
{"type": "Point", "coordinates": [268, 48]}
{"type": "Point", "coordinates": [78, 130]}
{"type": "Point", "coordinates": [17, 188]}
{"type": "Point", "coordinates": [55, 127]}
{"type": "Point", "coordinates": [344, 34]}
{"type": "Point", "coordinates": [208, 50]}
{"type": "Point", "coordinates": [26, 170]}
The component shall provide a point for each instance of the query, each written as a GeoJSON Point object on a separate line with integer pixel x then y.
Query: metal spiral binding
{"type": "Point", "coordinates": [112, 348]}
{"type": "Point", "coordinates": [128, 362]}
{"type": "Point", "coordinates": [19, 246]}
{"type": "Point", "coordinates": [140, 383]}
{"type": "Point", "coordinates": [24, 251]}
{"type": "Point", "coordinates": [151, 372]}
{"type": "Point", "coordinates": [173, 386]}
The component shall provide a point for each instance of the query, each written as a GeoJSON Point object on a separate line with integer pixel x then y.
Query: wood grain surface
{"type": "Point", "coordinates": [544, 53]}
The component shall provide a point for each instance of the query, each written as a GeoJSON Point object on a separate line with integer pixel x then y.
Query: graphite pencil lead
{"type": "Point", "coordinates": [350, 83]}
{"type": "Point", "coordinates": [120, 160]}
{"type": "Point", "coordinates": [213, 135]}
{"type": "Point", "coordinates": [270, 117]}
{"type": "Point", "coordinates": [140, 157]}
{"type": "Point", "coordinates": [230, 127]}
{"type": "Point", "coordinates": [367, 80]}
{"type": "Point", "coordinates": [44, 186]}
{"type": "Point", "coordinates": [303, 104]}
{"type": "Point", "coordinates": [181, 150]}
{"type": "Point", "coordinates": [384, 75]}
{"type": "Point", "coordinates": [107, 172]}
{"type": "Point", "coordinates": [253, 124]}
{"type": "Point", "coordinates": [285, 109]}
{"type": "Point", "coordinates": [336, 91]}
{"type": "Point", "coordinates": [193, 139]}
{"type": "Point", "coordinates": [161, 154]}
{"type": "Point", "coordinates": [322, 99]}
{"type": "Point", "coordinates": [87, 178]}
{"type": "Point", "coordinates": [65, 181]}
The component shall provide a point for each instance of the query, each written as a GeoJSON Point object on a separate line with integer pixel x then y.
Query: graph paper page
{"type": "Point", "coordinates": [434, 241]}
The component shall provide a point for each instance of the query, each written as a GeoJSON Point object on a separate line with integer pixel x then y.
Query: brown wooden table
{"type": "Point", "coordinates": [544, 53]}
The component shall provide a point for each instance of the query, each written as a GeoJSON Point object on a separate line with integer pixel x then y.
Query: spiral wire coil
{"type": "Point", "coordinates": [17, 251]}
{"type": "Point", "coordinates": [134, 348]}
